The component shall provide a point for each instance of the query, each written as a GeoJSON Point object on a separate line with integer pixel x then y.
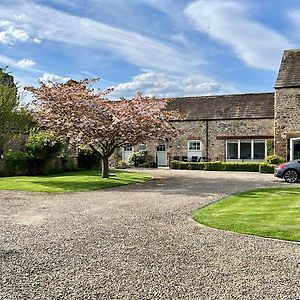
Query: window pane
{"type": "Point", "coordinates": [127, 149]}
{"type": "Point", "coordinates": [245, 149]}
{"type": "Point", "coordinates": [143, 147]}
{"type": "Point", "coordinates": [232, 150]}
{"type": "Point", "coordinates": [161, 148]}
{"type": "Point", "coordinates": [259, 149]}
{"type": "Point", "coordinates": [194, 146]}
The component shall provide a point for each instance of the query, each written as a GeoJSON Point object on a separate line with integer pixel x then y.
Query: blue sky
{"type": "Point", "coordinates": [164, 48]}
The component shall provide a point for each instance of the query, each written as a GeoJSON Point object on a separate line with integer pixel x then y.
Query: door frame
{"type": "Point", "coordinates": [292, 148]}
{"type": "Point", "coordinates": [165, 152]}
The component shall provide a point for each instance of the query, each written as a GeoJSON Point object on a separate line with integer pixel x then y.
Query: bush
{"type": "Point", "coordinates": [273, 160]}
{"type": "Point", "coordinates": [121, 164]}
{"type": "Point", "coordinates": [150, 164]}
{"type": "Point", "coordinates": [88, 160]}
{"type": "Point", "coordinates": [137, 158]}
{"type": "Point", "coordinates": [216, 166]}
{"type": "Point", "coordinates": [266, 168]}
{"type": "Point", "coordinates": [44, 145]}
{"type": "Point", "coordinates": [16, 162]}
{"type": "Point", "coordinates": [69, 164]}
{"type": "Point", "coordinates": [270, 147]}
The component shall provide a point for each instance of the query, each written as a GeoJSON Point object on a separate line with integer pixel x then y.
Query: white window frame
{"type": "Point", "coordinates": [141, 146]}
{"type": "Point", "coordinates": [239, 149]}
{"type": "Point", "coordinates": [194, 141]}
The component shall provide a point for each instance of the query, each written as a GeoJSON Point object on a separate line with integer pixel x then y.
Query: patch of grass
{"type": "Point", "coordinates": [272, 212]}
{"type": "Point", "coordinates": [70, 182]}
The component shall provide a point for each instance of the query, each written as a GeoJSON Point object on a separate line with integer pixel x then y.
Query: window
{"type": "Point", "coordinates": [232, 150]}
{"type": "Point", "coordinates": [259, 149]}
{"type": "Point", "coordinates": [161, 148]}
{"type": "Point", "coordinates": [246, 149]}
{"type": "Point", "coordinates": [194, 145]}
{"type": "Point", "coordinates": [143, 147]}
{"type": "Point", "coordinates": [128, 149]}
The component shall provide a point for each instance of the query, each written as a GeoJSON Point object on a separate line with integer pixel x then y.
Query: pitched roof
{"type": "Point", "coordinates": [225, 107]}
{"type": "Point", "coordinates": [289, 71]}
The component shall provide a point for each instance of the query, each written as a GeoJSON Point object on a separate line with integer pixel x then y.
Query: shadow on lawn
{"type": "Point", "coordinates": [81, 185]}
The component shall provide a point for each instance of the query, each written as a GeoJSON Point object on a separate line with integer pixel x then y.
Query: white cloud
{"type": "Point", "coordinates": [10, 34]}
{"type": "Point", "coordinates": [7, 61]}
{"type": "Point", "coordinates": [181, 39]}
{"type": "Point", "coordinates": [139, 50]}
{"type": "Point", "coordinates": [53, 78]}
{"type": "Point", "coordinates": [294, 17]}
{"type": "Point", "coordinates": [164, 85]}
{"type": "Point", "coordinates": [228, 22]}
{"type": "Point", "coordinates": [20, 17]}
{"type": "Point", "coordinates": [25, 63]}
{"type": "Point", "coordinates": [37, 41]}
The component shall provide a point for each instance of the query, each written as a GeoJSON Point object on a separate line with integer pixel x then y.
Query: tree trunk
{"type": "Point", "coordinates": [105, 167]}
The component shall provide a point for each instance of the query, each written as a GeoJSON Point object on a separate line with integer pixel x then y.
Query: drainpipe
{"type": "Point", "coordinates": [206, 133]}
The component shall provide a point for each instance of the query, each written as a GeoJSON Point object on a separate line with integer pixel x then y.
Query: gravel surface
{"type": "Point", "coordinates": [139, 242]}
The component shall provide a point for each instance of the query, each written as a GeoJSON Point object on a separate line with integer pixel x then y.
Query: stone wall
{"type": "Point", "coordinates": [218, 132]}
{"type": "Point", "coordinates": [287, 120]}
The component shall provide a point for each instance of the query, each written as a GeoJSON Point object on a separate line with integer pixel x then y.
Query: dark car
{"type": "Point", "coordinates": [289, 171]}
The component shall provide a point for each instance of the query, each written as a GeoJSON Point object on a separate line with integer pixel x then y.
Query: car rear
{"type": "Point", "coordinates": [289, 171]}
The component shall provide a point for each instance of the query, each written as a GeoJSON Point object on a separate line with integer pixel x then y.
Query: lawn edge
{"type": "Point", "coordinates": [242, 234]}
{"type": "Point", "coordinates": [235, 232]}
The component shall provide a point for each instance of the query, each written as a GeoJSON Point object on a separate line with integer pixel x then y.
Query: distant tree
{"type": "Point", "coordinates": [84, 117]}
{"type": "Point", "coordinates": [14, 118]}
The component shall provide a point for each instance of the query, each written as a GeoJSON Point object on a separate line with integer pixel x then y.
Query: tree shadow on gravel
{"type": "Point", "coordinates": [191, 186]}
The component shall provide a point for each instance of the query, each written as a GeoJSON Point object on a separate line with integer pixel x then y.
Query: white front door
{"type": "Point", "coordinates": [126, 153]}
{"type": "Point", "coordinates": [161, 155]}
{"type": "Point", "coordinates": [294, 148]}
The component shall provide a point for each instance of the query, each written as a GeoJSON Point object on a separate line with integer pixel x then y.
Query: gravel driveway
{"type": "Point", "coordinates": [139, 242]}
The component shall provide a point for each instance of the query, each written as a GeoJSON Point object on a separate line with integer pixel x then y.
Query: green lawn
{"type": "Point", "coordinates": [273, 212]}
{"type": "Point", "coordinates": [70, 182]}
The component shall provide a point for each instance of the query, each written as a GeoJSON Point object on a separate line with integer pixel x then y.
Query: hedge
{"type": "Point", "coordinates": [217, 166]}
{"type": "Point", "coordinates": [266, 168]}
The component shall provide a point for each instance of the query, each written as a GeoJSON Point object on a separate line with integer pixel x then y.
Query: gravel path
{"type": "Point", "coordinates": [139, 242]}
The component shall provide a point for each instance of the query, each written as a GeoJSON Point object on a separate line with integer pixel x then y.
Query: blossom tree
{"type": "Point", "coordinates": [84, 117]}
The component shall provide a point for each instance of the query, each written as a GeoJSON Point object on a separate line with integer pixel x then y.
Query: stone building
{"type": "Point", "coordinates": [236, 127]}
{"type": "Point", "coordinates": [287, 106]}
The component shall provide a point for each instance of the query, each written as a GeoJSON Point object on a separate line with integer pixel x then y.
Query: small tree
{"type": "Point", "coordinates": [14, 118]}
{"type": "Point", "coordinates": [44, 145]}
{"type": "Point", "coordinates": [75, 111]}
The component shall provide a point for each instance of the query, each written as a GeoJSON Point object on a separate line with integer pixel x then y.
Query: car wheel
{"type": "Point", "coordinates": [291, 176]}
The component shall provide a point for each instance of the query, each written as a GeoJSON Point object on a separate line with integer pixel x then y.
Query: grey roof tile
{"type": "Point", "coordinates": [224, 107]}
{"type": "Point", "coordinates": [289, 71]}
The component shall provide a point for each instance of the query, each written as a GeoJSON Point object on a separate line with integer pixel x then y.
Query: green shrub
{"type": "Point", "coordinates": [44, 145]}
{"type": "Point", "coordinates": [266, 168]}
{"type": "Point", "coordinates": [216, 166]}
{"type": "Point", "coordinates": [16, 162]}
{"type": "Point", "coordinates": [88, 160]}
{"type": "Point", "coordinates": [273, 160]}
{"type": "Point", "coordinates": [137, 158]}
{"type": "Point", "coordinates": [121, 164]}
{"type": "Point", "coordinates": [270, 147]}
{"type": "Point", "coordinates": [150, 164]}
{"type": "Point", "coordinates": [69, 165]}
